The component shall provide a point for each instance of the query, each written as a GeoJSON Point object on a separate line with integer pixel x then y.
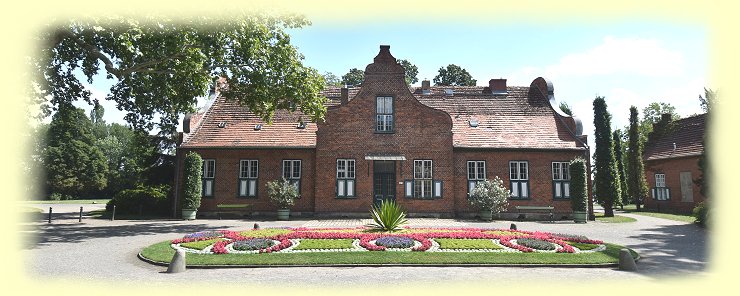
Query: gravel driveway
{"type": "Point", "coordinates": [102, 250]}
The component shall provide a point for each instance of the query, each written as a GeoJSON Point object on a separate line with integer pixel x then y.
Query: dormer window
{"type": "Point", "coordinates": [384, 114]}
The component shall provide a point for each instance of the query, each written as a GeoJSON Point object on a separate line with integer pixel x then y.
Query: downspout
{"type": "Point", "coordinates": [177, 184]}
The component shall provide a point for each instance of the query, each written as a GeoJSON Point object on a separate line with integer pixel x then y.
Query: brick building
{"type": "Point", "coordinates": [671, 159]}
{"type": "Point", "coordinates": [421, 146]}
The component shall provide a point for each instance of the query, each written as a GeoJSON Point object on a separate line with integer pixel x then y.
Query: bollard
{"type": "Point", "coordinates": [113, 215]}
{"type": "Point", "coordinates": [256, 226]}
{"type": "Point", "coordinates": [178, 262]}
{"type": "Point", "coordinates": [49, 214]}
{"type": "Point", "coordinates": [80, 220]}
{"type": "Point", "coordinates": [513, 226]}
{"type": "Point", "coordinates": [626, 262]}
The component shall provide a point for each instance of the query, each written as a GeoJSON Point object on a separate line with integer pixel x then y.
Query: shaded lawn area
{"type": "Point", "coordinates": [615, 219]}
{"type": "Point", "coordinates": [163, 253]}
{"type": "Point", "coordinates": [632, 209]}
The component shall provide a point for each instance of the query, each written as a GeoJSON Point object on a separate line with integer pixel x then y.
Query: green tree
{"type": "Point", "coordinates": [708, 103]}
{"type": "Point", "coordinates": [652, 115]}
{"type": "Point", "coordinates": [606, 179]}
{"type": "Point", "coordinates": [410, 70]}
{"type": "Point", "coordinates": [709, 100]}
{"type": "Point", "coordinates": [193, 184]}
{"type": "Point", "coordinates": [331, 80]}
{"type": "Point", "coordinates": [635, 168]}
{"type": "Point", "coordinates": [618, 155]}
{"type": "Point", "coordinates": [161, 66]}
{"type": "Point", "coordinates": [75, 167]}
{"type": "Point", "coordinates": [565, 108]}
{"type": "Point", "coordinates": [578, 187]}
{"type": "Point", "coordinates": [354, 77]}
{"type": "Point", "coordinates": [453, 75]}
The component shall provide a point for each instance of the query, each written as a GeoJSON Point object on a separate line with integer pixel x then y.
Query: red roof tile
{"type": "Point", "coordinates": [686, 133]}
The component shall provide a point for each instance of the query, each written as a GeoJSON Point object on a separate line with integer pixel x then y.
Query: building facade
{"type": "Point", "coordinates": [671, 159]}
{"type": "Point", "coordinates": [424, 147]}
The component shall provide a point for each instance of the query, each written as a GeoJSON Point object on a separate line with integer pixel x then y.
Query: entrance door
{"type": "Point", "coordinates": [687, 188]}
{"type": "Point", "coordinates": [384, 181]}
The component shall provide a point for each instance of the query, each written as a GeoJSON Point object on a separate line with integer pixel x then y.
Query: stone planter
{"type": "Point", "coordinates": [188, 214]}
{"type": "Point", "coordinates": [283, 214]}
{"type": "Point", "coordinates": [486, 215]}
{"type": "Point", "coordinates": [580, 216]}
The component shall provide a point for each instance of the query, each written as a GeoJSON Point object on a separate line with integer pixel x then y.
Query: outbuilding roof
{"type": "Point", "coordinates": [682, 138]}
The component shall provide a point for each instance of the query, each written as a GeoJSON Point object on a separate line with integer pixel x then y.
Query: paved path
{"type": "Point", "coordinates": [106, 250]}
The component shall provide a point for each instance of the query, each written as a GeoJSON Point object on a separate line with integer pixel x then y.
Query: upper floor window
{"type": "Point", "coordinates": [476, 173]}
{"type": "Point", "coordinates": [345, 178]}
{"type": "Point", "coordinates": [519, 179]}
{"type": "Point", "coordinates": [248, 170]}
{"type": "Point", "coordinates": [561, 180]}
{"type": "Point", "coordinates": [292, 172]}
{"type": "Point", "coordinates": [209, 175]}
{"type": "Point", "coordinates": [384, 114]}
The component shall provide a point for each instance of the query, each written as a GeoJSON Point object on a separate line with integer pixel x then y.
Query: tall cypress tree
{"type": "Point", "coordinates": [636, 177]}
{"type": "Point", "coordinates": [617, 138]}
{"type": "Point", "coordinates": [606, 178]}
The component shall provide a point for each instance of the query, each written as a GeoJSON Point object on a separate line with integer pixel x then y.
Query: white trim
{"type": "Point", "coordinates": [396, 157]}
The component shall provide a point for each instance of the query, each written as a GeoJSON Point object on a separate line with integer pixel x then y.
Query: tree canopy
{"type": "Point", "coordinates": [709, 100]}
{"type": "Point", "coordinates": [453, 75]}
{"type": "Point", "coordinates": [410, 70]}
{"type": "Point", "coordinates": [606, 179]}
{"type": "Point", "coordinates": [160, 66]}
{"type": "Point", "coordinates": [331, 80]}
{"type": "Point", "coordinates": [637, 185]}
{"type": "Point", "coordinates": [565, 108]}
{"type": "Point", "coordinates": [354, 77]}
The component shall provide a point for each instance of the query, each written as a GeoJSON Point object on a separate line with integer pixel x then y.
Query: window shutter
{"type": "Point", "coordinates": [437, 189]}
{"type": "Point", "coordinates": [409, 188]}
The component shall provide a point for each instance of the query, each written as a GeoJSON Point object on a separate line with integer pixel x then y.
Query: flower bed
{"type": "Point", "coordinates": [286, 240]}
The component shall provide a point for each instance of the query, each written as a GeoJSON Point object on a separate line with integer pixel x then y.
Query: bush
{"type": "Point", "coordinates": [282, 193]}
{"type": "Point", "coordinates": [490, 195]}
{"type": "Point", "coordinates": [193, 185]}
{"type": "Point", "coordinates": [388, 216]}
{"type": "Point", "coordinates": [578, 187]}
{"type": "Point", "coordinates": [701, 214]}
{"type": "Point", "coordinates": [148, 199]}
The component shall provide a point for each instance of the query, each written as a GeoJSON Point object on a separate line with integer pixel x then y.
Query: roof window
{"type": "Point", "coordinates": [473, 122]}
{"type": "Point", "coordinates": [258, 127]}
{"type": "Point", "coordinates": [222, 124]}
{"type": "Point", "coordinates": [301, 125]}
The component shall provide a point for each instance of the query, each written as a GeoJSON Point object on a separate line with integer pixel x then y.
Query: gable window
{"type": "Point", "coordinates": [476, 173]}
{"type": "Point", "coordinates": [660, 191]}
{"type": "Point", "coordinates": [519, 179]}
{"type": "Point", "coordinates": [560, 180]}
{"type": "Point", "coordinates": [209, 175]}
{"type": "Point", "coordinates": [248, 171]}
{"type": "Point", "coordinates": [384, 114]}
{"type": "Point", "coordinates": [345, 178]}
{"type": "Point", "coordinates": [292, 172]}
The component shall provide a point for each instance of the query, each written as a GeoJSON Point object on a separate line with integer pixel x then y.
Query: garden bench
{"type": "Point", "coordinates": [231, 208]}
{"type": "Point", "coordinates": [534, 209]}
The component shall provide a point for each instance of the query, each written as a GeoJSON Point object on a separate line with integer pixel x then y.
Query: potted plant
{"type": "Point", "coordinates": [283, 195]}
{"type": "Point", "coordinates": [489, 197]}
{"type": "Point", "coordinates": [578, 187]}
{"type": "Point", "coordinates": [193, 185]}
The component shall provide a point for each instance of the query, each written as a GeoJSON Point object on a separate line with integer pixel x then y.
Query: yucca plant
{"type": "Point", "coordinates": [387, 217]}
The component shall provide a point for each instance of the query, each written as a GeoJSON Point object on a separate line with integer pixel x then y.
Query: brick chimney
{"type": "Point", "coordinates": [497, 86]}
{"type": "Point", "coordinates": [425, 87]}
{"type": "Point", "coordinates": [665, 117]}
{"type": "Point", "coordinates": [344, 96]}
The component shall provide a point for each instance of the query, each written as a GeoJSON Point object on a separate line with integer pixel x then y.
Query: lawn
{"type": "Point", "coordinates": [303, 246]}
{"type": "Point", "coordinates": [632, 209]}
{"type": "Point", "coordinates": [615, 219]}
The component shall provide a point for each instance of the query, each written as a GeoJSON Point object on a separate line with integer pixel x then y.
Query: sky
{"type": "Point", "coordinates": [629, 63]}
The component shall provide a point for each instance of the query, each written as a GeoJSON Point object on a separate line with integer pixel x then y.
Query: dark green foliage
{"type": "Point", "coordinates": [578, 185]}
{"type": "Point", "coordinates": [565, 108]}
{"type": "Point", "coordinates": [453, 75]}
{"type": "Point", "coordinates": [161, 66]}
{"type": "Point", "coordinates": [570, 236]}
{"type": "Point", "coordinates": [701, 214]}
{"type": "Point", "coordinates": [388, 216]}
{"type": "Point", "coordinates": [709, 102]}
{"type": "Point", "coordinates": [651, 115]}
{"type": "Point", "coordinates": [146, 200]}
{"type": "Point", "coordinates": [606, 180]}
{"type": "Point", "coordinates": [635, 168]}
{"type": "Point", "coordinates": [617, 138]}
{"type": "Point", "coordinates": [331, 80]}
{"type": "Point", "coordinates": [536, 244]}
{"type": "Point", "coordinates": [74, 164]}
{"type": "Point", "coordinates": [193, 184]}
{"type": "Point", "coordinates": [410, 70]}
{"type": "Point", "coordinates": [354, 77]}
{"type": "Point", "coordinates": [253, 244]}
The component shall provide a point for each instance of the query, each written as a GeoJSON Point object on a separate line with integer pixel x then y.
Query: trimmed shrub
{"type": "Point", "coordinates": [401, 242]}
{"type": "Point", "coordinates": [570, 236]}
{"type": "Point", "coordinates": [193, 185]}
{"type": "Point", "coordinates": [535, 244]}
{"type": "Point", "coordinates": [701, 214]}
{"type": "Point", "coordinates": [253, 244]}
{"type": "Point", "coordinates": [141, 200]}
{"type": "Point", "coordinates": [578, 195]}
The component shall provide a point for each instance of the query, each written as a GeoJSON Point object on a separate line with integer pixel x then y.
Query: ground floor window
{"type": "Point", "coordinates": [209, 177]}
{"type": "Point", "coordinates": [660, 191]}
{"type": "Point", "coordinates": [560, 180]}
{"type": "Point", "coordinates": [292, 172]}
{"type": "Point", "coordinates": [519, 179]}
{"type": "Point", "coordinates": [345, 178]}
{"type": "Point", "coordinates": [476, 173]}
{"type": "Point", "coordinates": [248, 172]}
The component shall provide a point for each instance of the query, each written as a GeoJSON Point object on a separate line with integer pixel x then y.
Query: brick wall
{"type": "Point", "coordinates": [672, 169]}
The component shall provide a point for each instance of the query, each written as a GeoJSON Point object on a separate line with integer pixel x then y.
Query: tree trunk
{"type": "Point", "coordinates": [609, 210]}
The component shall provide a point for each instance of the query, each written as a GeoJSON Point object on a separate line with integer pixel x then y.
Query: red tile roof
{"type": "Point", "coordinates": [686, 133]}
{"type": "Point", "coordinates": [510, 120]}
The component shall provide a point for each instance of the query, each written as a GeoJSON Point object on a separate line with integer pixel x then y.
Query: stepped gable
{"type": "Point", "coordinates": [686, 133]}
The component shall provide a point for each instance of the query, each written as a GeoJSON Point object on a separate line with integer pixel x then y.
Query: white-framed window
{"type": "Point", "coordinates": [384, 114]}
{"type": "Point", "coordinates": [560, 180]}
{"type": "Point", "coordinates": [476, 173]}
{"type": "Point", "coordinates": [423, 179]}
{"type": "Point", "coordinates": [519, 179]}
{"type": "Point", "coordinates": [292, 172]}
{"type": "Point", "coordinates": [345, 178]}
{"type": "Point", "coordinates": [248, 174]}
{"type": "Point", "coordinates": [660, 191]}
{"type": "Point", "coordinates": [209, 176]}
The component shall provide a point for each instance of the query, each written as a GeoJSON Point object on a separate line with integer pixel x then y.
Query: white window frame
{"type": "Point", "coordinates": [291, 175]}
{"type": "Point", "coordinates": [346, 172]}
{"type": "Point", "coordinates": [209, 177]}
{"type": "Point", "coordinates": [660, 191]}
{"type": "Point", "coordinates": [560, 180]}
{"type": "Point", "coordinates": [519, 179]}
{"type": "Point", "coordinates": [384, 121]}
{"type": "Point", "coordinates": [478, 173]}
{"type": "Point", "coordinates": [423, 179]}
{"type": "Point", "coordinates": [248, 176]}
